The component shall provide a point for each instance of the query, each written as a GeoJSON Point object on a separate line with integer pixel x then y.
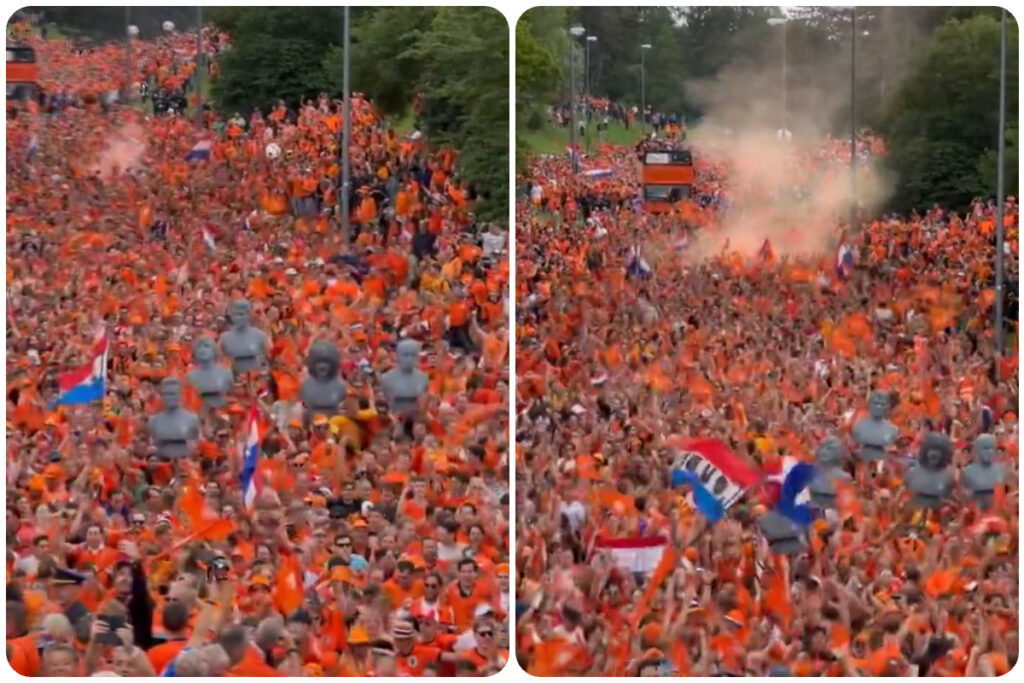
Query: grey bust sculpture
{"type": "Point", "coordinates": [875, 433]}
{"type": "Point", "coordinates": [211, 380]}
{"type": "Point", "coordinates": [244, 344]}
{"type": "Point", "coordinates": [983, 475]}
{"type": "Point", "coordinates": [405, 383]}
{"type": "Point", "coordinates": [322, 392]}
{"type": "Point", "coordinates": [930, 482]}
{"type": "Point", "coordinates": [783, 536]}
{"type": "Point", "coordinates": [173, 430]}
{"type": "Point", "coordinates": [831, 456]}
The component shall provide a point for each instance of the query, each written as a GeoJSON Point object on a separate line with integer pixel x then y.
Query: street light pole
{"type": "Point", "coordinates": [853, 118]}
{"type": "Point", "coordinates": [127, 53]}
{"type": "Point", "coordinates": [782, 21]}
{"type": "Point", "coordinates": [346, 133]}
{"type": "Point", "coordinates": [643, 90]}
{"type": "Point", "coordinates": [575, 32]}
{"type": "Point", "coordinates": [199, 66]}
{"type": "Point", "coordinates": [1000, 186]}
{"type": "Point", "coordinates": [586, 110]}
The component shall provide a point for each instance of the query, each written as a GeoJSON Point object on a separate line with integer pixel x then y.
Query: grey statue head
{"type": "Point", "coordinates": [935, 452]}
{"type": "Point", "coordinates": [239, 313]}
{"type": "Point", "coordinates": [408, 353]}
{"type": "Point", "coordinates": [985, 449]}
{"type": "Point", "coordinates": [879, 405]}
{"type": "Point", "coordinates": [831, 452]}
{"type": "Point", "coordinates": [323, 360]}
{"type": "Point", "coordinates": [204, 351]}
{"type": "Point", "coordinates": [170, 392]}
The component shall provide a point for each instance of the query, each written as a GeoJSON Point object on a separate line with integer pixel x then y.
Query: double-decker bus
{"type": "Point", "coordinates": [667, 178]}
{"type": "Point", "coordinates": [22, 73]}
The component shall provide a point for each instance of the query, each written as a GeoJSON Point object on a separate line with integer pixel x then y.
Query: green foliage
{"type": "Point", "coordinates": [464, 58]}
{"type": "Point", "coordinates": [108, 23]}
{"type": "Point", "coordinates": [384, 66]}
{"type": "Point", "coordinates": [941, 126]}
{"type": "Point", "coordinates": [457, 57]}
{"type": "Point", "coordinates": [261, 70]}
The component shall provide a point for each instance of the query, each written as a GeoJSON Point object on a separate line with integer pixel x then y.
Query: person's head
{"type": "Point", "coordinates": [467, 574]}
{"type": "Point", "coordinates": [299, 624]}
{"type": "Point", "coordinates": [94, 536]}
{"type": "Point", "coordinates": [17, 619]}
{"type": "Point", "coordinates": [486, 636]}
{"type": "Point", "coordinates": [175, 618]}
{"type": "Point", "coordinates": [123, 662]}
{"type": "Point", "coordinates": [216, 659]}
{"type": "Point", "coordinates": [429, 550]}
{"type": "Point", "coordinates": [403, 573]}
{"type": "Point", "coordinates": [343, 547]}
{"type": "Point", "coordinates": [432, 586]}
{"type": "Point", "coordinates": [183, 591]}
{"type": "Point", "coordinates": [190, 663]}
{"type": "Point", "coordinates": [122, 579]}
{"type": "Point", "coordinates": [60, 659]}
{"type": "Point", "coordinates": [234, 641]}
{"type": "Point", "coordinates": [268, 633]}
{"type": "Point", "coordinates": [404, 635]}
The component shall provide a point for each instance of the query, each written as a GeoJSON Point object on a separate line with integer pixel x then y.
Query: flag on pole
{"type": "Point", "coordinates": [199, 152]}
{"type": "Point", "coordinates": [717, 477]}
{"type": "Point", "coordinates": [635, 554]}
{"type": "Point", "coordinates": [208, 239]}
{"type": "Point", "coordinates": [87, 383]}
{"type": "Point", "coordinates": [251, 483]}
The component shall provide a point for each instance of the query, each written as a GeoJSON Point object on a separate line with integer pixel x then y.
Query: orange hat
{"type": "Point", "coordinates": [37, 483]}
{"type": "Point", "coordinates": [53, 471]}
{"type": "Point", "coordinates": [735, 617]}
{"type": "Point", "coordinates": [259, 580]}
{"type": "Point", "coordinates": [358, 635]}
{"type": "Point", "coordinates": [359, 523]}
{"type": "Point", "coordinates": [342, 574]}
{"type": "Point", "coordinates": [502, 569]}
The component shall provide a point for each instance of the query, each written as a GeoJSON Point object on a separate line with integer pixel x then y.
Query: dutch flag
{"type": "Point", "coordinates": [208, 239]}
{"type": "Point", "coordinates": [87, 383]}
{"type": "Point", "coordinates": [638, 266]}
{"type": "Point", "coordinates": [200, 152]}
{"type": "Point", "coordinates": [793, 477]}
{"type": "Point", "coordinates": [251, 483]}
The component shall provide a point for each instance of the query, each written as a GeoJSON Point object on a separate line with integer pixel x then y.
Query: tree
{"type": "Point", "coordinates": [942, 123]}
{"type": "Point", "coordinates": [384, 66]}
{"type": "Point", "coordinates": [262, 69]}
{"type": "Point", "coordinates": [464, 57]}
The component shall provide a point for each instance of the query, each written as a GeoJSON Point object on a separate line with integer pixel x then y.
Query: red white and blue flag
{"type": "Point", "coordinates": [716, 476]}
{"type": "Point", "coordinates": [844, 259]}
{"type": "Point", "coordinates": [251, 482]}
{"type": "Point", "coordinates": [87, 383]}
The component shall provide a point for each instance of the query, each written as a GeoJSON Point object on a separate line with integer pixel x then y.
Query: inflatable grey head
{"type": "Point", "coordinates": [831, 455]}
{"type": "Point", "coordinates": [983, 475]}
{"type": "Point", "coordinates": [929, 481]}
{"type": "Point", "coordinates": [174, 431]}
{"type": "Point", "coordinates": [211, 381]}
{"type": "Point", "coordinates": [875, 433]}
{"type": "Point", "coordinates": [322, 391]}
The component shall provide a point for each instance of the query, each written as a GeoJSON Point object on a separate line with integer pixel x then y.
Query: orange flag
{"type": "Point", "coordinates": [661, 572]}
{"type": "Point", "coordinates": [288, 594]}
{"type": "Point", "coordinates": [847, 502]}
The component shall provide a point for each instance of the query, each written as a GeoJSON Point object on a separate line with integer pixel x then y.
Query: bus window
{"type": "Point", "coordinates": [666, 193]}
{"type": "Point", "coordinates": [21, 55]}
{"type": "Point", "coordinates": [675, 157]}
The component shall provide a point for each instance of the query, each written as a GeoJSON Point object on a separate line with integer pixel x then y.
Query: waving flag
{"type": "Point", "coordinates": [793, 496]}
{"type": "Point", "coordinates": [208, 239]}
{"type": "Point", "coordinates": [717, 477]}
{"type": "Point", "coordinates": [599, 173]}
{"type": "Point", "coordinates": [252, 484]}
{"type": "Point", "coordinates": [638, 266]}
{"type": "Point", "coordinates": [87, 383]}
{"type": "Point", "coordinates": [199, 152]}
{"type": "Point", "coordinates": [635, 554]}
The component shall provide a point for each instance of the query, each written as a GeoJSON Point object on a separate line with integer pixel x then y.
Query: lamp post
{"type": "Point", "coordinates": [346, 132]}
{"type": "Point", "coordinates": [586, 102]}
{"type": "Point", "coordinates": [199, 66]}
{"type": "Point", "coordinates": [1000, 186]}
{"type": "Point", "coordinates": [129, 31]}
{"type": "Point", "coordinates": [782, 21]}
{"type": "Point", "coordinates": [576, 31]}
{"type": "Point", "coordinates": [643, 90]}
{"type": "Point", "coordinates": [853, 117]}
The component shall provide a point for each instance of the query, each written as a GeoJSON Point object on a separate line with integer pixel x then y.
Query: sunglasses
{"type": "Point", "coordinates": [431, 585]}
{"type": "Point", "coordinates": [485, 634]}
{"type": "Point", "coordinates": [344, 544]}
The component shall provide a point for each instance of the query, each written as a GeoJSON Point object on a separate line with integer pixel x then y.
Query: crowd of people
{"type": "Point", "coordinates": [766, 354]}
{"type": "Point", "coordinates": [376, 546]}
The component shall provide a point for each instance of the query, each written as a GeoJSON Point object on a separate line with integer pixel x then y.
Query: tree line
{"type": "Point", "coordinates": [925, 78]}
{"type": "Point", "coordinates": [456, 57]}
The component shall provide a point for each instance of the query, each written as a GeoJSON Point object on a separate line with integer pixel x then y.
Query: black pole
{"type": "Point", "coordinates": [853, 118]}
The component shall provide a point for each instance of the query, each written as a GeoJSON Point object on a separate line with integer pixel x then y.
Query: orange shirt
{"type": "Point", "coordinates": [162, 655]}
